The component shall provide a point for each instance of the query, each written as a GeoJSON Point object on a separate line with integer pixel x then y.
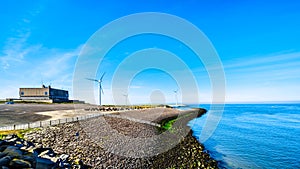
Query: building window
{"type": "Point", "coordinates": [22, 93]}
{"type": "Point", "coordinates": [46, 93]}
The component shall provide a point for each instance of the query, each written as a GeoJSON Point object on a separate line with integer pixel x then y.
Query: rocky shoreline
{"type": "Point", "coordinates": [17, 153]}
{"type": "Point", "coordinates": [89, 142]}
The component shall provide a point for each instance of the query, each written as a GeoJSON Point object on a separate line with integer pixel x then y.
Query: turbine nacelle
{"type": "Point", "coordinates": [99, 81]}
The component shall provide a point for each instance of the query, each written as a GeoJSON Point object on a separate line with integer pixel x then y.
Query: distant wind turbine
{"type": "Point", "coordinates": [126, 97]}
{"type": "Point", "coordinates": [175, 91]}
{"type": "Point", "coordinates": [100, 86]}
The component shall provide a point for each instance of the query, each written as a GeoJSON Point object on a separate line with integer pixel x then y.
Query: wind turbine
{"type": "Point", "coordinates": [175, 91]}
{"type": "Point", "coordinates": [126, 97]}
{"type": "Point", "coordinates": [100, 86]}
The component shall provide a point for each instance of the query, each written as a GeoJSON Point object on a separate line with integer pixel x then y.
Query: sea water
{"type": "Point", "coordinates": [254, 136]}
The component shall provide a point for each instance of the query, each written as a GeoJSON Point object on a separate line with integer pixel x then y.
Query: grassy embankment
{"type": "Point", "coordinates": [19, 133]}
{"type": "Point", "coordinates": [167, 124]}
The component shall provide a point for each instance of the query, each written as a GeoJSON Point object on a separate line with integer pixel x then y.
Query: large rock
{"type": "Point", "coordinates": [30, 158]}
{"type": "Point", "coordinates": [43, 163]}
{"type": "Point", "coordinates": [3, 147]}
{"type": "Point", "coordinates": [11, 136]}
{"type": "Point", "coordinates": [44, 151]}
{"type": "Point", "coordinates": [18, 163]}
{"type": "Point", "coordinates": [4, 161]}
{"type": "Point", "coordinates": [2, 154]}
{"type": "Point", "coordinates": [13, 151]}
{"type": "Point", "coordinates": [64, 157]}
{"type": "Point", "coordinates": [2, 142]}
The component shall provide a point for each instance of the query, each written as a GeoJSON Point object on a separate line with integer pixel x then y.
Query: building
{"type": "Point", "coordinates": [44, 94]}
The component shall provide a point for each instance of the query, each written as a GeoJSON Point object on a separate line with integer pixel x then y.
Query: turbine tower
{"type": "Point", "coordinates": [126, 97]}
{"type": "Point", "coordinates": [100, 86]}
{"type": "Point", "coordinates": [175, 91]}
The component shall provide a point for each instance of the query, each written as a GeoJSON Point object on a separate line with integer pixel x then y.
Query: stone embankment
{"type": "Point", "coordinates": [16, 153]}
{"type": "Point", "coordinates": [90, 140]}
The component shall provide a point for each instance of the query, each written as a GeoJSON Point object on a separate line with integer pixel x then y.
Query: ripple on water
{"type": "Point", "coordinates": [255, 136]}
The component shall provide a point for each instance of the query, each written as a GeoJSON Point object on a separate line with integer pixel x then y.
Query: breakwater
{"type": "Point", "coordinates": [74, 140]}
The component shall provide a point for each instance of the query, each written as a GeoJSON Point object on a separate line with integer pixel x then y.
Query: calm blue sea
{"type": "Point", "coordinates": [255, 136]}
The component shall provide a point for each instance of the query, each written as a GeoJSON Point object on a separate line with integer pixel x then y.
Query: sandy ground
{"type": "Point", "coordinates": [61, 114]}
{"type": "Point", "coordinates": [28, 113]}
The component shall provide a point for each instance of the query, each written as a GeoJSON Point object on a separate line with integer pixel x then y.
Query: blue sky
{"type": "Point", "coordinates": [257, 42]}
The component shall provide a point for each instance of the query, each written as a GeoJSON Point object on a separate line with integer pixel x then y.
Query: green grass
{"type": "Point", "coordinates": [168, 124]}
{"type": "Point", "coordinates": [19, 133]}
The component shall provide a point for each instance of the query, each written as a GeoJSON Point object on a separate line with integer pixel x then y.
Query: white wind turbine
{"type": "Point", "coordinates": [126, 98]}
{"type": "Point", "coordinates": [100, 86]}
{"type": "Point", "coordinates": [175, 91]}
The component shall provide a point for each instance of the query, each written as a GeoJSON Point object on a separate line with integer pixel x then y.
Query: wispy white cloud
{"type": "Point", "coordinates": [14, 51]}
{"type": "Point", "coordinates": [266, 77]}
{"type": "Point", "coordinates": [257, 61]}
{"type": "Point", "coordinates": [272, 67]}
{"type": "Point", "coordinates": [55, 67]}
{"type": "Point", "coordinates": [135, 87]}
{"type": "Point", "coordinates": [16, 47]}
{"type": "Point", "coordinates": [37, 61]}
{"type": "Point", "coordinates": [56, 61]}
{"type": "Point", "coordinates": [273, 77]}
{"type": "Point", "coordinates": [24, 64]}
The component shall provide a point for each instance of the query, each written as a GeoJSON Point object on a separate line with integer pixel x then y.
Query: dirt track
{"type": "Point", "coordinates": [26, 113]}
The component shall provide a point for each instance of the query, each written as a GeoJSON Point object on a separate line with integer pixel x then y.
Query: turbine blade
{"type": "Point", "coordinates": [102, 76]}
{"type": "Point", "coordinates": [91, 79]}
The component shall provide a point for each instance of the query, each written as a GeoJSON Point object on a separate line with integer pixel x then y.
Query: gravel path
{"type": "Point", "coordinates": [27, 113]}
